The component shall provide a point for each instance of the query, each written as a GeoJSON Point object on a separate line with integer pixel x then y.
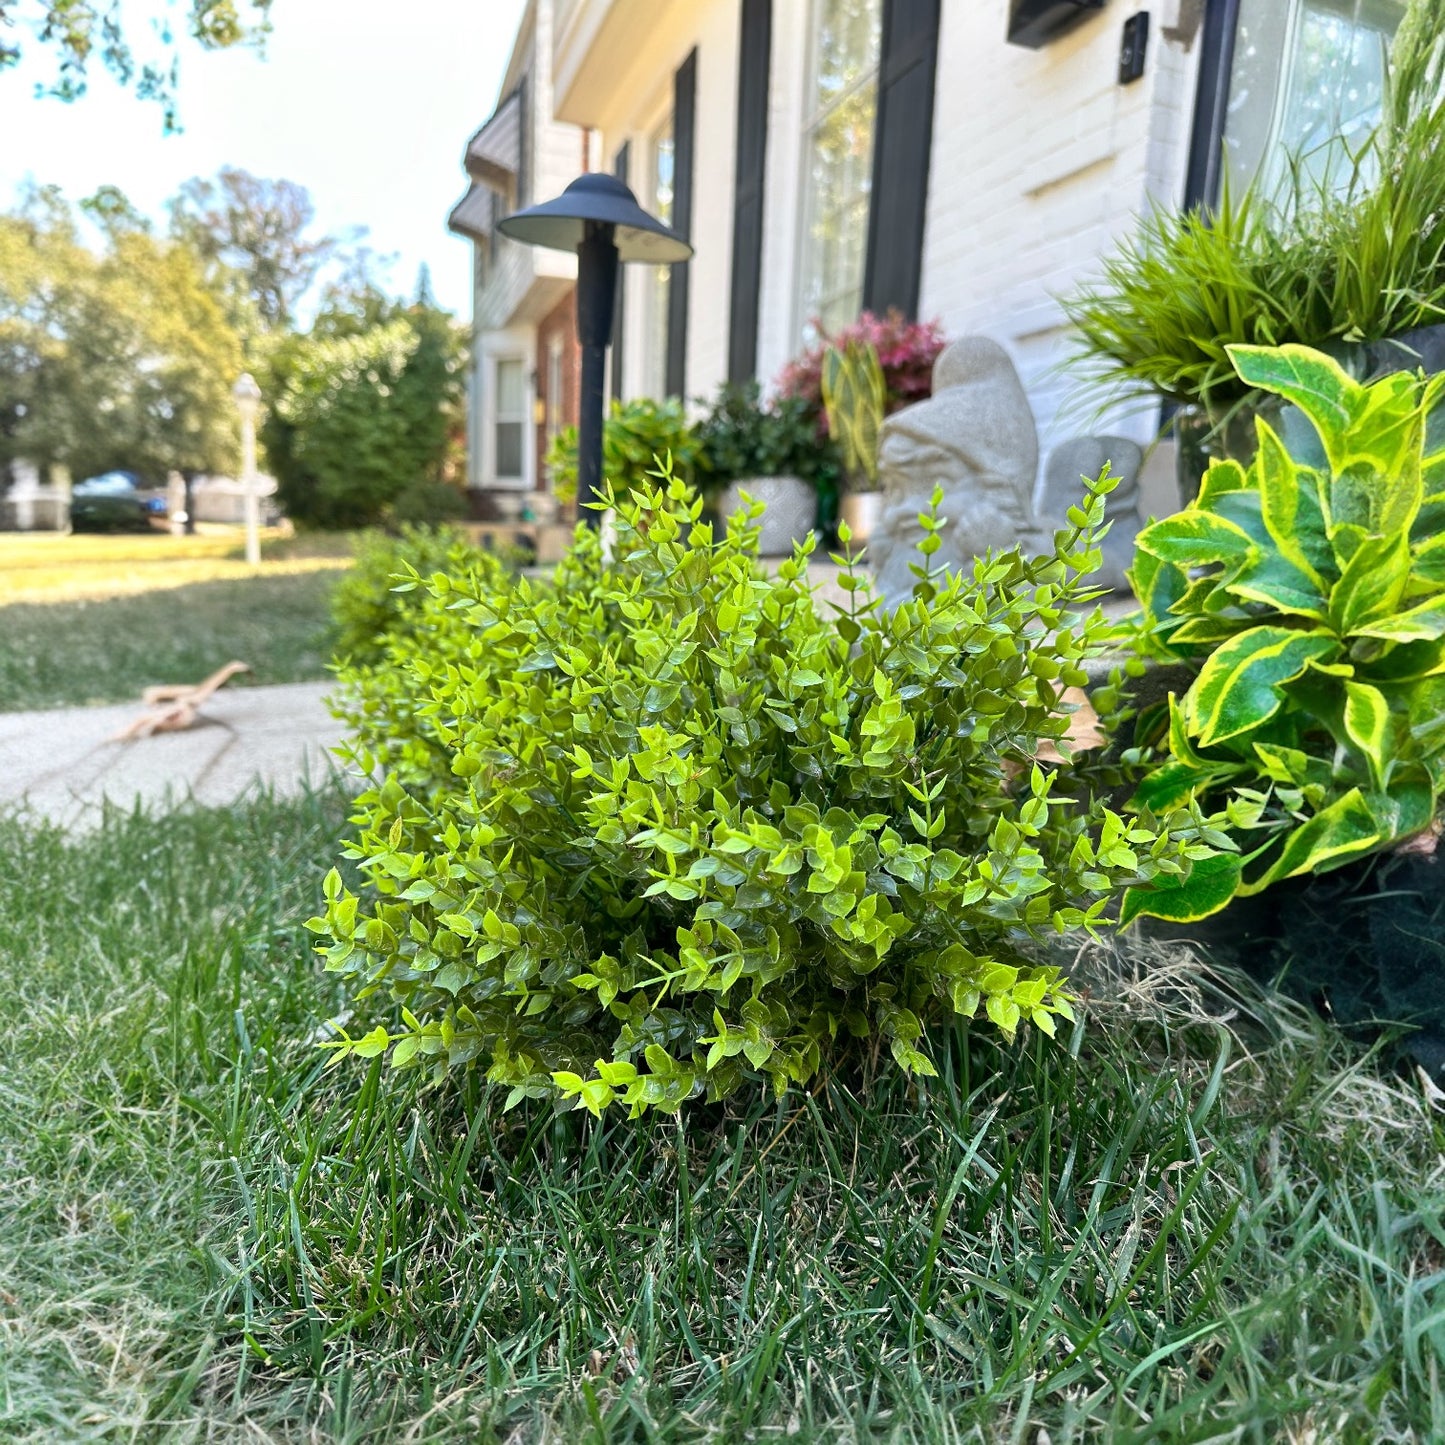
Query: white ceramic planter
{"type": "Point", "coordinates": [861, 511]}
{"type": "Point", "coordinates": [792, 510]}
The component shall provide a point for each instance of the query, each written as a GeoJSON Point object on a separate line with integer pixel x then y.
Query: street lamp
{"type": "Point", "coordinates": [247, 396]}
{"type": "Point", "coordinates": [598, 218]}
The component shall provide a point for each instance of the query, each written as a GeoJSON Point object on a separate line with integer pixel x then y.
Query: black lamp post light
{"type": "Point", "coordinates": [598, 217]}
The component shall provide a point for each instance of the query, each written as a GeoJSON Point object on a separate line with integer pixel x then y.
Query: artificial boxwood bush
{"type": "Point", "coordinates": [693, 835]}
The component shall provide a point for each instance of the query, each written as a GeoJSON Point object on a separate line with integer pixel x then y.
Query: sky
{"type": "Point", "coordinates": [367, 103]}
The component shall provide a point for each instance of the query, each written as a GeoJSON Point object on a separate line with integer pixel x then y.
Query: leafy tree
{"type": "Point", "coordinates": [251, 233]}
{"type": "Point", "coordinates": [359, 415]}
{"type": "Point", "coordinates": [80, 32]}
{"type": "Point", "coordinates": [116, 358]}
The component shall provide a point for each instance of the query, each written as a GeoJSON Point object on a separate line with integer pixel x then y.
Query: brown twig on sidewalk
{"type": "Point", "coordinates": [174, 706]}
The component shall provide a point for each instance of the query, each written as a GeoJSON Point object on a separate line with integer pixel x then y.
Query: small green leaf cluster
{"type": "Point", "coordinates": [660, 829]}
{"type": "Point", "coordinates": [1310, 604]}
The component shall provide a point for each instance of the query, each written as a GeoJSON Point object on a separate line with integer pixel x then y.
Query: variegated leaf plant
{"type": "Point", "coordinates": [1308, 593]}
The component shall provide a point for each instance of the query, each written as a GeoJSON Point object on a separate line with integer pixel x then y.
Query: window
{"type": "Point", "coordinates": [1306, 83]}
{"type": "Point", "coordinates": [510, 419]}
{"type": "Point", "coordinates": [838, 152]}
{"type": "Point", "coordinates": [659, 201]}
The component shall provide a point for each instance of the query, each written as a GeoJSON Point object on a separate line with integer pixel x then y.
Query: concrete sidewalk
{"type": "Point", "coordinates": [63, 764]}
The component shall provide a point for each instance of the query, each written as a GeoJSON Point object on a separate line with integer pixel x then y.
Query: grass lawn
{"type": "Point", "coordinates": [85, 566]}
{"type": "Point", "coordinates": [1203, 1217]}
{"type": "Point", "coordinates": [103, 617]}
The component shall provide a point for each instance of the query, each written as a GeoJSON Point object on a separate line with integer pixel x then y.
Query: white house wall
{"type": "Point", "coordinates": [1041, 162]}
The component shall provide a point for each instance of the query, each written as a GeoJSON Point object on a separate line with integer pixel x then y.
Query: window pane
{"type": "Point", "coordinates": [509, 449]}
{"type": "Point", "coordinates": [840, 160]}
{"type": "Point", "coordinates": [509, 388]}
{"type": "Point", "coordinates": [1307, 83]}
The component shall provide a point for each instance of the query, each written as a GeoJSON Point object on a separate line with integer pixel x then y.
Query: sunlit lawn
{"type": "Point", "coordinates": [54, 567]}
{"type": "Point", "coordinates": [97, 618]}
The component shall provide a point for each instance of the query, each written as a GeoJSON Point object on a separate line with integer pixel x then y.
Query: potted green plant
{"type": "Point", "coordinates": [1352, 265]}
{"type": "Point", "coordinates": [770, 453]}
{"type": "Point", "coordinates": [635, 436]}
{"type": "Point", "coordinates": [855, 399]}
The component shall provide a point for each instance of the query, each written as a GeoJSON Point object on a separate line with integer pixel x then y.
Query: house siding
{"type": "Point", "coordinates": [1022, 207]}
{"type": "Point", "coordinates": [1041, 161]}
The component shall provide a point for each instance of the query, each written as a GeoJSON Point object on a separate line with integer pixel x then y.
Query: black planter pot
{"type": "Point", "coordinates": [1204, 436]}
{"type": "Point", "coordinates": [1364, 944]}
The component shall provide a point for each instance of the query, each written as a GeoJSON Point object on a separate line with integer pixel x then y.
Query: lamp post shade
{"type": "Point", "coordinates": [562, 224]}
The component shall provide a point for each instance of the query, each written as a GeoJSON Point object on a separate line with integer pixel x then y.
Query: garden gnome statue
{"type": "Point", "coordinates": [976, 438]}
{"type": "Point", "coordinates": [1063, 487]}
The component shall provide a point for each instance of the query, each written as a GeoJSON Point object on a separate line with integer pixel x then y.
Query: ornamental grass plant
{"type": "Point", "coordinates": [659, 829]}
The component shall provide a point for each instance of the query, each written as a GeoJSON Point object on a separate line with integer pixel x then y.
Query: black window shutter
{"type": "Point", "coordinates": [619, 169]}
{"type": "Point", "coordinates": [684, 105]}
{"type": "Point", "coordinates": [1206, 142]}
{"type": "Point", "coordinates": [754, 51]}
{"type": "Point", "coordinates": [902, 144]}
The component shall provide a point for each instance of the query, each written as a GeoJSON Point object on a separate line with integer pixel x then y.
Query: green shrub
{"type": "Point", "coordinates": [368, 609]}
{"type": "Point", "coordinates": [1309, 606]}
{"type": "Point", "coordinates": [634, 433]}
{"type": "Point", "coordinates": [693, 835]}
{"type": "Point", "coordinates": [741, 438]}
{"type": "Point", "coordinates": [428, 504]}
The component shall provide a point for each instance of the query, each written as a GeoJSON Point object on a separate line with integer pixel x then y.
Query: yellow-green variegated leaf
{"type": "Point", "coordinates": [1313, 381]}
{"type": "Point", "coordinates": [1211, 883]}
{"type": "Point", "coordinates": [1278, 582]}
{"type": "Point", "coordinates": [1194, 538]}
{"type": "Point", "coordinates": [1372, 583]}
{"type": "Point", "coordinates": [1425, 623]}
{"type": "Point", "coordinates": [1238, 687]}
{"type": "Point", "coordinates": [1281, 496]}
{"type": "Point", "coordinates": [1157, 584]}
{"type": "Point", "coordinates": [1333, 836]}
{"type": "Point", "coordinates": [1223, 475]}
{"type": "Point", "coordinates": [1290, 767]}
{"type": "Point", "coordinates": [1369, 726]}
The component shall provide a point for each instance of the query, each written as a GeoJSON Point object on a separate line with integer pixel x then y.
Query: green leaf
{"type": "Point", "coordinates": [1336, 833]}
{"type": "Point", "coordinates": [1238, 688]}
{"type": "Point", "coordinates": [1195, 538]}
{"type": "Point", "coordinates": [1211, 883]}
{"type": "Point", "coordinates": [1368, 725]}
{"type": "Point", "coordinates": [1314, 382]}
{"type": "Point", "coordinates": [1371, 583]}
{"type": "Point", "coordinates": [1280, 498]}
{"type": "Point", "coordinates": [1422, 623]}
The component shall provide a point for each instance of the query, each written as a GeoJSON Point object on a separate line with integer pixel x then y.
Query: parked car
{"type": "Point", "coordinates": [114, 501]}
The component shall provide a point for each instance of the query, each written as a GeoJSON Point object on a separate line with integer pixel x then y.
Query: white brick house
{"type": "Point", "coordinates": [826, 155]}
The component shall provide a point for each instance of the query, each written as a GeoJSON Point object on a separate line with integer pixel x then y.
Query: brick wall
{"type": "Point", "coordinates": [557, 329]}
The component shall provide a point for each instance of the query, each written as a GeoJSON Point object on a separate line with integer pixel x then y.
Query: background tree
{"type": "Point", "coordinates": [118, 358]}
{"type": "Point", "coordinates": [251, 234]}
{"type": "Point", "coordinates": [360, 415]}
{"type": "Point", "coordinates": [79, 33]}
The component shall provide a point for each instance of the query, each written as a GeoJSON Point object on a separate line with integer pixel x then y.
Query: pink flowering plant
{"type": "Point", "coordinates": [906, 351]}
